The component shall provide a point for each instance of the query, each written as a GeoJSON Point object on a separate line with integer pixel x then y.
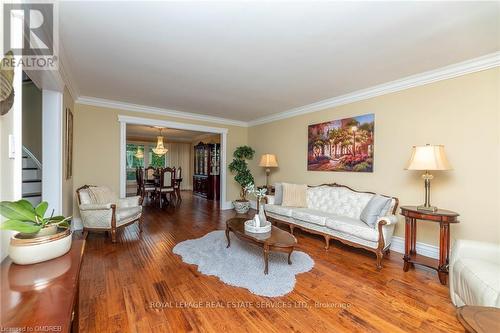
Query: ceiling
{"type": "Point", "coordinates": [149, 133]}
{"type": "Point", "coordinates": [246, 60]}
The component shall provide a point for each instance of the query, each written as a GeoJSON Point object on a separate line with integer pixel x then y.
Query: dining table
{"type": "Point", "coordinates": [177, 185]}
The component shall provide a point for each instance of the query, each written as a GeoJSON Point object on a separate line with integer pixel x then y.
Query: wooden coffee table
{"type": "Point", "coordinates": [275, 240]}
{"type": "Point", "coordinates": [479, 319]}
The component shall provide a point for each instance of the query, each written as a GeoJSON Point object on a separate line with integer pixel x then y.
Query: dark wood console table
{"type": "Point", "coordinates": [44, 296]}
{"type": "Point", "coordinates": [441, 216]}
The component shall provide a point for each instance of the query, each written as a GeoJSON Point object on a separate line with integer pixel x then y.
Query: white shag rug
{"type": "Point", "coordinates": [242, 264]}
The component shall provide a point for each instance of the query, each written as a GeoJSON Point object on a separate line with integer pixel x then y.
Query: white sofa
{"type": "Point", "coordinates": [333, 211]}
{"type": "Point", "coordinates": [475, 273]}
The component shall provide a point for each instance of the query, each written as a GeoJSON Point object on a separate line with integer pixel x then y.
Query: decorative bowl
{"type": "Point", "coordinates": [249, 227]}
{"type": "Point", "coordinates": [25, 250]}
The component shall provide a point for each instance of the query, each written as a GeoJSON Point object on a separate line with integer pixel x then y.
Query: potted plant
{"type": "Point", "coordinates": [39, 238]}
{"type": "Point", "coordinates": [243, 176]}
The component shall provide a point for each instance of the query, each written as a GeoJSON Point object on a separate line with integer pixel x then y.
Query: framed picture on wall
{"type": "Point", "coordinates": [68, 138]}
{"type": "Point", "coordinates": [342, 145]}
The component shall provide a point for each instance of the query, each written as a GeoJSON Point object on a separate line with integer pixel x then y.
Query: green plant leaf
{"type": "Point", "coordinates": [63, 224]}
{"type": "Point", "coordinates": [21, 226]}
{"type": "Point", "coordinates": [41, 209]}
{"type": "Point", "coordinates": [56, 218]}
{"type": "Point", "coordinates": [25, 204]}
{"type": "Point", "coordinates": [21, 210]}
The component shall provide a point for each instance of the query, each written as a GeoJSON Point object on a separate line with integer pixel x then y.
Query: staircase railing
{"type": "Point", "coordinates": [30, 155]}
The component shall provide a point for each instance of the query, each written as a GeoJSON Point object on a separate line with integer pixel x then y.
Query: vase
{"type": "Point", "coordinates": [262, 215]}
{"type": "Point", "coordinates": [241, 206]}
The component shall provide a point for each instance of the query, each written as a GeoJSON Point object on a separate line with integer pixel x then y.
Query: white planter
{"type": "Point", "coordinates": [241, 207]}
{"type": "Point", "coordinates": [31, 250]}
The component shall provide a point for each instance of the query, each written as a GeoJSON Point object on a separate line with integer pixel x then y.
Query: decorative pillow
{"type": "Point", "coordinates": [386, 210]}
{"type": "Point", "coordinates": [101, 195]}
{"type": "Point", "coordinates": [373, 209]}
{"type": "Point", "coordinates": [278, 193]}
{"type": "Point", "coordinates": [294, 195]}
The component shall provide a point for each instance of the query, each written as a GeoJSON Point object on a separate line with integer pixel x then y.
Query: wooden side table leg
{"type": "Point", "coordinates": [289, 255]}
{"type": "Point", "coordinates": [406, 257]}
{"type": "Point", "coordinates": [444, 249]}
{"type": "Point", "coordinates": [413, 249]}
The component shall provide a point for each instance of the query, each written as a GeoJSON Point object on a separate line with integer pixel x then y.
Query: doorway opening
{"type": "Point", "coordinates": [198, 150]}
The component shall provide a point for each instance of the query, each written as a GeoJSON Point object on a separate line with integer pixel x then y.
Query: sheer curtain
{"type": "Point", "coordinates": [179, 155]}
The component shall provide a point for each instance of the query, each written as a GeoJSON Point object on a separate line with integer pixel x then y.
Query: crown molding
{"type": "Point", "coordinates": [67, 77]}
{"type": "Point", "coordinates": [106, 103]}
{"type": "Point", "coordinates": [466, 67]}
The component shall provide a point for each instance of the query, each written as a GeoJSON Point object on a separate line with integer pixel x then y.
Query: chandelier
{"type": "Point", "coordinates": [139, 153]}
{"type": "Point", "coordinates": [160, 148]}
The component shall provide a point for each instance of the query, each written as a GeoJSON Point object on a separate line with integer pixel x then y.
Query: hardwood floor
{"type": "Point", "coordinates": [139, 285]}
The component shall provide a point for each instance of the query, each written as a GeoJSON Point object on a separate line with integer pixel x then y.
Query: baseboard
{"type": "Point", "coordinates": [398, 245]}
{"type": "Point", "coordinates": [227, 205]}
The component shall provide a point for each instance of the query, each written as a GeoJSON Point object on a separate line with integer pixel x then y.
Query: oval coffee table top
{"type": "Point", "coordinates": [479, 319]}
{"type": "Point", "coordinates": [276, 237]}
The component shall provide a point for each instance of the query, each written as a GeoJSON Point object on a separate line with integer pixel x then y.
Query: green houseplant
{"type": "Point", "coordinates": [243, 176]}
{"type": "Point", "coordinates": [22, 216]}
{"type": "Point", "coordinates": [39, 238]}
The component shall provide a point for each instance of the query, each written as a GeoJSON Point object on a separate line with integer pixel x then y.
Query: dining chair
{"type": "Point", "coordinates": [138, 180]}
{"type": "Point", "coordinates": [147, 180]}
{"type": "Point", "coordinates": [177, 184]}
{"type": "Point", "coordinates": [166, 185]}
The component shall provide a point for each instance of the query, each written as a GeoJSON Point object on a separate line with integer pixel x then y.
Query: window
{"type": "Point", "coordinates": [132, 161]}
{"type": "Point", "coordinates": [157, 161]}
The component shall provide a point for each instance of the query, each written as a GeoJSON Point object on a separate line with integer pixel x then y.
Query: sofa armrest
{"type": "Point", "coordinates": [269, 199]}
{"type": "Point", "coordinates": [95, 206]}
{"type": "Point", "coordinates": [130, 201]}
{"type": "Point", "coordinates": [475, 250]}
{"type": "Point", "coordinates": [388, 220]}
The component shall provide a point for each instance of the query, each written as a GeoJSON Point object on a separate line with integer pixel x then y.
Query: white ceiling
{"type": "Point", "coordinates": [248, 60]}
{"type": "Point", "coordinates": [150, 133]}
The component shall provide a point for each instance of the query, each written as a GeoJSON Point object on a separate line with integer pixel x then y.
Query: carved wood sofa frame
{"type": "Point", "coordinates": [113, 228]}
{"type": "Point", "coordinates": [379, 251]}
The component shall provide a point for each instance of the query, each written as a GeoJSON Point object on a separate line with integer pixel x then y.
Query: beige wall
{"type": "Point", "coordinates": [462, 113]}
{"type": "Point", "coordinates": [32, 119]}
{"type": "Point", "coordinates": [97, 146]}
{"type": "Point", "coordinates": [67, 184]}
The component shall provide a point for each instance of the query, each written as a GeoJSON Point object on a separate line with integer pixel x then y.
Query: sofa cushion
{"type": "Point", "coordinates": [353, 227]}
{"type": "Point", "coordinates": [294, 195]}
{"type": "Point", "coordinates": [374, 209]}
{"type": "Point", "coordinates": [278, 193]}
{"type": "Point", "coordinates": [311, 215]}
{"type": "Point", "coordinates": [280, 210]}
{"type": "Point", "coordinates": [337, 200]}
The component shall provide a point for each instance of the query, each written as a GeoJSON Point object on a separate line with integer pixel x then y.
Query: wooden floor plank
{"type": "Point", "coordinates": [139, 285]}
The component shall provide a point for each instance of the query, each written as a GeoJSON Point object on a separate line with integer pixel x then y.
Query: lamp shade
{"type": "Point", "coordinates": [428, 157]}
{"type": "Point", "coordinates": [268, 161]}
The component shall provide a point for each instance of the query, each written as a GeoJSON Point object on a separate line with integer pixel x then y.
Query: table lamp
{"type": "Point", "coordinates": [427, 158]}
{"type": "Point", "coordinates": [268, 161]}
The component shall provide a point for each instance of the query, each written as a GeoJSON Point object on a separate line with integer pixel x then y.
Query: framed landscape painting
{"type": "Point", "coordinates": [342, 145]}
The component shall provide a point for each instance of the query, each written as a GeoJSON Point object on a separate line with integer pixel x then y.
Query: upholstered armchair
{"type": "Point", "coordinates": [102, 210]}
{"type": "Point", "coordinates": [475, 273]}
